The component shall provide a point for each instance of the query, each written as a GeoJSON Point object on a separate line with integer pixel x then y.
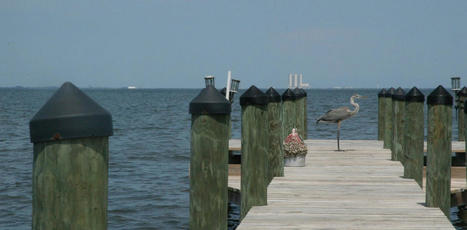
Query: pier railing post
{"type": "Point", "coordinates": [462, 96]}
{"type": "Point", "coordinates": [255, 148]}
{"type": "Point", "coordinates": [288, 112]}
{"type": "Point", "coordinates": [210, 116]}
{"type": "Point", "coordinates": [414, 135]}
{"type": "Point", "coordinates": [438, 170]}
{"type": "Point", "coordinates": [70, 167]}
{"type": "Point", "coordinates": [388, 119]}
{"type": "Point", "coordinates": [299, 114]}
{"type": "Point", "coordinates": [276, 154]}
{"type": "Point", "coordinates": [398, 100]}
{"type": "Point", "coordinates": [381, 107]}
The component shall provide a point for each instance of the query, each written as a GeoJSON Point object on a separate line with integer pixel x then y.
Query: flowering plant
{"type": "Point", "coordinates": [293, 145]}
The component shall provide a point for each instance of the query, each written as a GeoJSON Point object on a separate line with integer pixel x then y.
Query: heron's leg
{"type": "Point", "coordinates": [338, 135]}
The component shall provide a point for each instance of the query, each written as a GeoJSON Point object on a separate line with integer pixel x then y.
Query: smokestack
{"type": "Point", "coordinates": [301, 80]}
{"type": "Point", "coordinates": [290, 81]}
{"type": "Point", "coordinates": [296, 80]}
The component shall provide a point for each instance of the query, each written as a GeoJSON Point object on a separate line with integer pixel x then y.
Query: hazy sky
{"type": "Point", "coordinates": [170, 43]}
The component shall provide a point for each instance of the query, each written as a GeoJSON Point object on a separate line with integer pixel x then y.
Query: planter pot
{"type": "Point", "coordinates": [294, 161]}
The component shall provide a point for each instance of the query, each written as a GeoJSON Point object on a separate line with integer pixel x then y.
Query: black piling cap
{"type": "Point", "coordinates": [70, 114]}
{"type": "Point", "coordinates": [210, 101]}
{"type": "Point", "coordinates": [289, 95]}
{"type": "Point", "coordinates": [439, 96]}
{"type": "Point", "coordinates": [415, 95]}
{"type": "Point", "coordinates": [390, 92]}
{"type": "Point", "coordinates": [399, 95]}
{"type": "Point", "coordinates": [273, 95]}
{"type": "Point", "coordinates": [463, 92]}
{"type": "Point", "coordinates": [382, 93]}
{"type": "Point", "coordinates": [253, 96]}
{"type": "Point", "coordinates": [298, 93]}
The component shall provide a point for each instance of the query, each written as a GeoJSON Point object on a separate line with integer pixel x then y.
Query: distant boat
{"type": "Point", "coordinates": [131, 87]}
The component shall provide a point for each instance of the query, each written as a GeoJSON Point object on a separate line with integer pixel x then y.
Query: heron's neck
{"type": "Point", "coordinates": [357, 107]}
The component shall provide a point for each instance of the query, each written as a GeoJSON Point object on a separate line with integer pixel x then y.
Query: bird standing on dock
{"type": "Point", "coordinates": [340, 114]}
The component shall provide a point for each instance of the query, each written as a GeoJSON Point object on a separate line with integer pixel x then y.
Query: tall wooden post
{"type": "Point", "coordinates": [210, 115]}
{"type": "Point", "coordinates": [288, 112]}
{"type": "Point", "coordinates": [438, 169]}
{"type": "Point", "coordinates": [70, 167]}
{"type": "Point", "coordinates": [414, 135]}
{"type": "Point", "coordinates": [276, 154]}
{"type": "Point", "coordinates": [299, 114]}
{"type": "Point", "coordinates": [462, 96]}
{"type": "Point", "coordinates": [398, 100]}
{"type": "Point", "coordinates": [388, 135]}
{"type": "Point", "coordinates": [255, 148]}
{"type": "Point", "coordinates": [381, 107]}
{"type": "Point", "coordinates": [305, 114]}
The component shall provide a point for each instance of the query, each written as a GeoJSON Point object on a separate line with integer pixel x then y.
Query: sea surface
{"type": "Point", "coordinates": [149, 151]}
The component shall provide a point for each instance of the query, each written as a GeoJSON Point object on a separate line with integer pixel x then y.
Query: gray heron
{"type": "Point", "coordinates": [340, 114]}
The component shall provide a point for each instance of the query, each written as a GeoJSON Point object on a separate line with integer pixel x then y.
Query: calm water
{"type": "Point", "coordinates": [149, 152]}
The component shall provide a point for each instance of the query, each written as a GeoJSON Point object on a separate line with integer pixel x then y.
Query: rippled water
{"type": "Point", "coordinates": [149, 152]}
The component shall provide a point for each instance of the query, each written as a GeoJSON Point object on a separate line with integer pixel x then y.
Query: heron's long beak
{"type": "Point", "coordinates": [363, 97]}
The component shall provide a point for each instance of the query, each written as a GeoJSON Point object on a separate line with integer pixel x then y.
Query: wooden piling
{"type": "Point", "coordinates": [398, 100]}
{"type": "Point", "coordinates": [461, 98]}
{"type": "Point", "coordinates": [299, 114]}
{"type": "Point", "coordinates": [70, 167]}
{"type": "Point", "coordinates": [381, 107]}
{"type": "Point", "coordinates": [210, 116]}
{"type": "Point", "coordinates": [388, 135]}
{"type": "Point", "coordinates": [255, 147]}
{"type": "Point", "coordinates": [438, 169]}
{"type": "Point", "coordinates": [276, 154]}
{"type": "Point", "coordinates": [305, 114]}
{"type": "Point", "coordinates": [288, 112]}
{"type": "Point", "coordinates": [414, 135]}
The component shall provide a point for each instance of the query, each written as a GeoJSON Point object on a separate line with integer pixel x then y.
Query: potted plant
{"type": "Point", "coordinates": [294, 150]}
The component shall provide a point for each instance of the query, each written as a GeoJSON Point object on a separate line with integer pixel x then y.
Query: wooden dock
{"type": "Point", "coordinates": [360, 188]}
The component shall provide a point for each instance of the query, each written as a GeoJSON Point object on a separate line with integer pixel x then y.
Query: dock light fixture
{"type": "Point", "coordinates": [209, 81]}
{"type": "Point", "coordinates": [235, 84]}
{"type": "Point", "coordinates": [455, 84]}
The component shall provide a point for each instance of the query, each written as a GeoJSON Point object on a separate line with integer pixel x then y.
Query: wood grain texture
{"type": "Point", "coordinates": [360, 188]}
{"type": "Point", "coordinates": [398, 131]}
{"type": "Point", "coordinates": [70, 184]}
{"type": "Point", "coordinates": [209, 171]}
{"type": "Point", "coordinates": [414, 138]}
{"type": "Point", "coordinates": [300, 117]}
{"type": "Point", "coordinates": [305, 117]}
{"type": "Point", "coordinates": [438, 192]}
{"type": "Point", "coordinates": [388, 118]}
{"type": "Point", "coordinates": [276, 154]}
{"type": "Point", "coordinates": [381, 107]}
{"type": "Point", "coordinates": [288, 118]}
{"type": "Point", "coordinates": [460, 118]}
{"type": "Point", "coordinates": [255, 147]}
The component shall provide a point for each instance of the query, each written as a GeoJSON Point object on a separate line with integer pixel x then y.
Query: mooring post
{"type": "Point", "coordinates": [438, 169]}
{"type": "Point", "coordinates": [381, 106]}
{"type": "Point", "coordinates": [388, 135]}
{"type": "Point", "coordinates": [305, 114]}
{"type": "Point", "coordinates": [398, 100]}
{"type": "Point", "coordinates": [461, 96]}
{"type": "Point", "coordinates": [70, 166]}
{"type": "Point", "coordinates": [255, 148]}
{"type": "Point", "coordinates": [288, 112]}
{"type": "Point", "coordinates": [276, 154]}
{"type": "Point", "coordinates": [210, 115]}
{"type": "Point", "coordinates": [414, 135]}
{"type": "Point", "coordinates": [299, 114]}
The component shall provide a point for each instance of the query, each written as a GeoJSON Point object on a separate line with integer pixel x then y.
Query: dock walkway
{"type": "Point", "coordinates": [360, 188]}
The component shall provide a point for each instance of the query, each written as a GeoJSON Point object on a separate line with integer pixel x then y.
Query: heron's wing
{"type": "Point", "coordinates": [335, 115]}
